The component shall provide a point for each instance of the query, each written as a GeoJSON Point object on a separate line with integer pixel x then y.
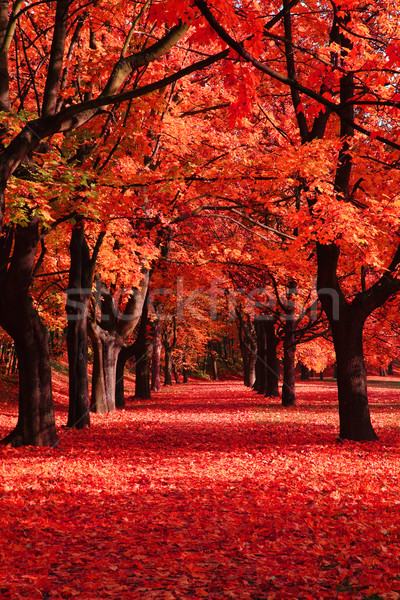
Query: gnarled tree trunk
{"type": "Point", "coordinates": [108, 337]}
{"type": "Point", "coordinates": [106, 348]}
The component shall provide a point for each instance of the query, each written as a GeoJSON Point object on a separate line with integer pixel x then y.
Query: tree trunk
{"type": "Point", "coordinates": [143, 352]}
{"type": "Point", "coordinates": [272, 385]}
{"type": "Point", "coordinates": [169, 346]}
{"type": "Point", "coordinates": [167, 366]}
{"type": "Point", "coordinates": [355, 422]}
{"type": "Point", "coordinates": [106, 348]}
{"type": "Point", "coordinates": [289, 365]}
{"type": "Point", "coordinates": [36, 424]}
{"type": "Point", "coordinates": [248, 352]}
{"type": "Point", "coordinates": [347, 323]}
{"type": "Point", "coordinates": [214, 365]}
{"type": "Point", "coordinates": [77, 346]}
{"type": "Point", "coordinates": [156, 358]}
{"type": "Point", "coordinates": [124, 355]}
{"type": "Point", "coordinates": [261, 358]}
{"type": "Point", "coordinates": [304, 373]}
{"type": "Point", "coordinates": [142, 366]}
{"type": "Point", "coordinates": [77, 308]}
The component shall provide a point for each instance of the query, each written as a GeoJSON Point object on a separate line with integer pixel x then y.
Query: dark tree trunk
{"type": "Point", "coordinates": [143, 368]}
{"type": "Point", "coordinates": [143, 352]}
{"type": "Point", "coordinates": [289, 365]}
{"type": "Point", "coordinates": [126, 353]}
{"type": "Point", "coordinates": [77, 305]}
{"type": "Point", "coordinates": [248, 352]}
{"type": "Point", "coordinates": [77, 346]}
{"type": "Point", "coordinates": [36, 425]}
{"type": "Point", "coordinates": [175, 372]}
{"type": "Point", "coordinates": [260, 382]}
{"type": "Point", "coordinates": [304, 373]}
{"type": "Point", "coordinates": [272, 386]}
{"type": "Point", "coordinates": [185, 375]}
{"type": "Point", "coordinates": [167, 366]}
{"type": "Point", "coordinates": [156, 358]}
{"type": "Point", "coordinates": [355, 422]}
{"type": "Point", "coordinates": [214, 365]}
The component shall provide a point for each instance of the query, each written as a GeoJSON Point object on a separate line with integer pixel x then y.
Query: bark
{"type": "Point", "coordinates": [260, 383]}
{"type": "Point", "coordinates": [56, 58]}
{"type": "Point", "coordinates": [108, 337]}
{"type": "Point", "coordinates": [77, 308]}
{"type": "Point", "coordinates": [289, 365]}
{"type": "Point", "coordinates": [77, 346]}
{"type": "Point", "coordinates": [248, 351]}
{"type": "Point", "coordinates": [143, 368]}
{"type": "Point", "coordinates": [106, 348]}
{"type": "Point", "coordinates": [214, 365]}
{"type": "Point", "coordinates": [156, 358]}
{"type": "Point", "coordinates": [143, 351]}
{"type": "Point", "coordinates": [36, 425]}
{"type": "Point", "coordinates": [125, 354]}
{"type": "Point", "coordinates": [168, 366]}
{"type": "Point", "coordinates": [304, 373]}
{"type": "Point", "coordinates": [169, 346]}
{"type": "Point", "coordinates": [347, 323]}
{"type": "Point", "coordinates": [175, 372]}
{"type": "Point", "coordinates": [355, 422]}
{"type": "Point", "coordinates": [272, 386]}
{"type": "Point", "coordinates": [252, 368]}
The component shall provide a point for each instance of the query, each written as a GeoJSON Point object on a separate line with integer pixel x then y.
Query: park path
{"type": "Point", "coordinates": [206, 491]}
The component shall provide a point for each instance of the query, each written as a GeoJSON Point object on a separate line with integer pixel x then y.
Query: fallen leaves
{"type": "Point", "coordinates": [207, 491]}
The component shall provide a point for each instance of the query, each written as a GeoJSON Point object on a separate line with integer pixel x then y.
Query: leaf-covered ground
{"type": "Point", "coordinates": [207, 491]}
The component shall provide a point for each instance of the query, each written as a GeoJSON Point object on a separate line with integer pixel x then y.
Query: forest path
{"type": "Point", "coordinates": [206, 491]}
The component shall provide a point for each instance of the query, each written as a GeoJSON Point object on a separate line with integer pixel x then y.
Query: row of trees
{"type": "Point", "coordinates": [258, 143]}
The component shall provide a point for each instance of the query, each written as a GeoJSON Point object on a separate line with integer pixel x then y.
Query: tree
{"type": "Point", "coordinates": [348, 101]}
{"type": "Point", "coordinates": [54, 96]}
{"type": "Point", "coordinates": [78, 297]}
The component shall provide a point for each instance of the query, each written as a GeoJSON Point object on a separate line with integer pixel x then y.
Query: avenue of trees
{"type": "Point", "coordinates": [176, 173]}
